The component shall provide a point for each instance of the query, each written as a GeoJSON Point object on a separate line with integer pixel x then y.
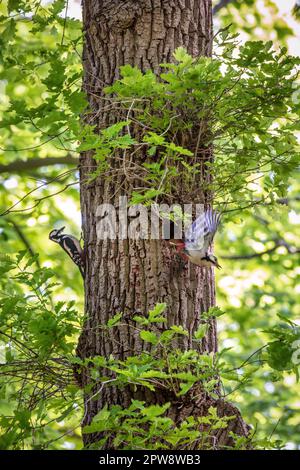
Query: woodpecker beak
{"type": "Point", "coordinates": [218, 266]}
{"type": "Point", "coordinates": [61, 229]}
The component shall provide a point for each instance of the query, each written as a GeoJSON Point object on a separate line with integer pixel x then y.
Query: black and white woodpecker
{"type": "Point", "coordinates": [196, 246]}
{"type": "Point", "coordinates": [71, 246]}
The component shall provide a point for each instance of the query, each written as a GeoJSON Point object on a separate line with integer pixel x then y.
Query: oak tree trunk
{"type": "Point", "coordinates": [132, 276]}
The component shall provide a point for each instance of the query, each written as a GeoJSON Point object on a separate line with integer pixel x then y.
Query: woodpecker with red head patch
{"type": "Point", "coordinates": [198, 239]}
{"type": "Point", "coordinates": [70, 245]}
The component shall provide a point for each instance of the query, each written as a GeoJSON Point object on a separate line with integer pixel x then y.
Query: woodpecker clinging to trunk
{"type": "Point", "coordinates": [198, 239]}
{"type": "Point", "coordinates": [71, 246]}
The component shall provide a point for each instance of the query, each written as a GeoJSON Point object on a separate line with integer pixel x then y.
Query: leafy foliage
{"type": "Point", "coordinates": [37, 341]}
{"type": "Point", "coordinates": [177, 373]}
{"type": "Point", "coordinates": [248, 100]}
{"type": "Point", "coordinates": [145, 427]}
{"type": "Point", "coordinates": [243, 104]}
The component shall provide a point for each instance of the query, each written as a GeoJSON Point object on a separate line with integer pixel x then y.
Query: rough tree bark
{"type": "Point", "coordinates": [132, 276]}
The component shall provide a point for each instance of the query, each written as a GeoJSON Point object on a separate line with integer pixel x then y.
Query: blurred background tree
{"type": "Point", "coordinates": [260, 276]}
{"type": "Point", "coordinates": [41, 102]}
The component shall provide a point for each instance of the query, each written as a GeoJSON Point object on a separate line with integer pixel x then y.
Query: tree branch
{"type": "Point", "coordinates": [277, 243]}
{"type": "Point", "coordinates": [285, 200]}
{"type": "Point", "coordinates": [220, 5]}
{"type": "Point", "coordinates": [19, 166]}
{"type": "Point", "coordinates": [23, 239]}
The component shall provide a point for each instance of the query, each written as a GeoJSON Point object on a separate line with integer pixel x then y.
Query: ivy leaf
{"type": "Point", "coordinates": [115, 320]}
{"type": "Point", "coordinates": [179, 330]}
{"type": "Point", "coordinates": [182, 56]}
{"type": "Point", "coordinates": [155, 410]}
{"type": "Point", "coordinates": [149, 337]}
{"type": "Point", "coordinates": [155, 314]}
{"type": "Point", "coordinates": [178, 149]}
{"type": "Point", "coordinates": [201, 331]}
